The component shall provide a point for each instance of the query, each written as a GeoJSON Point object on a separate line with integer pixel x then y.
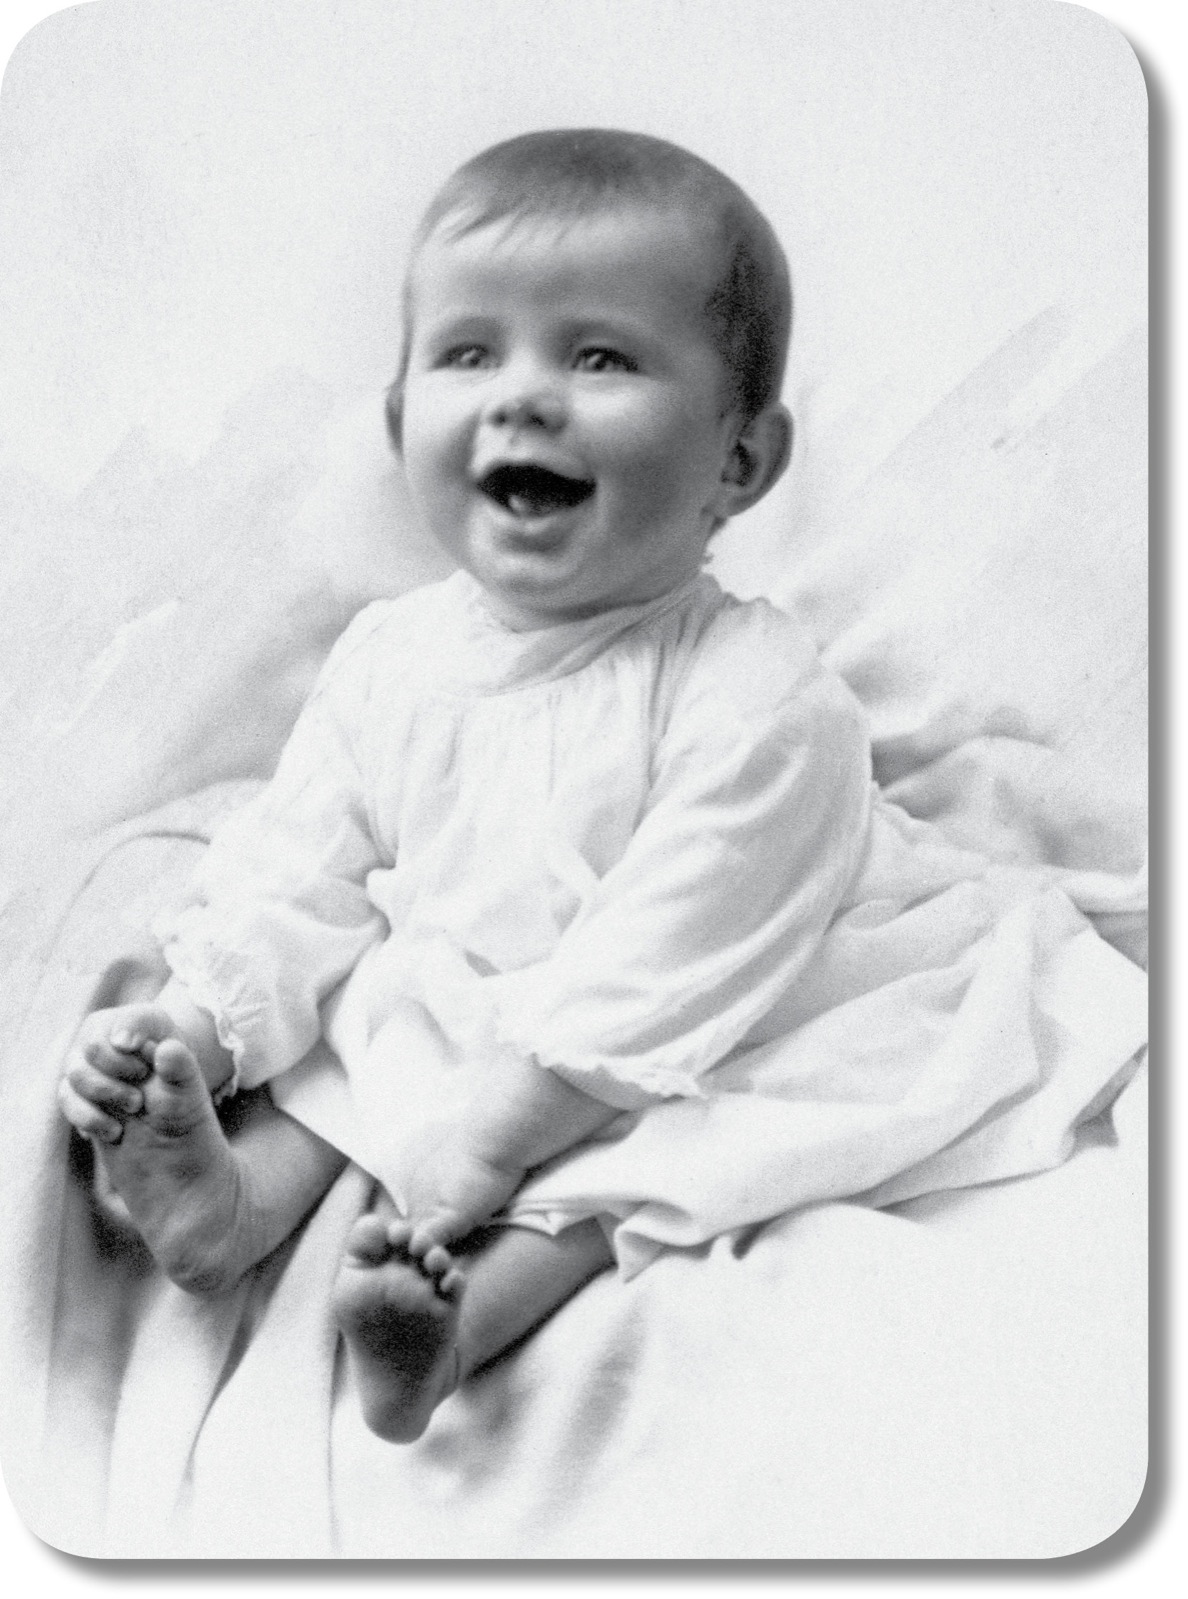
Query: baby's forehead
{"type": "Point", "coordinates": [674, 247]}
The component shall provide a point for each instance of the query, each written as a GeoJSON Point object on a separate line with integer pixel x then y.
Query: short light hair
{"type": "Point", "coordinates": [565, 174]}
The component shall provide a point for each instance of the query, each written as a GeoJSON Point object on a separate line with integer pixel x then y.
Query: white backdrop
{"type": "Point", "coordinates": [206, 205]}
{"type": "Point", "coordinates": [217, 174]}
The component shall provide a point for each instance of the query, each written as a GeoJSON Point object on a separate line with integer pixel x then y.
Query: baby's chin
{"type": "Point", "coordinates": [525, 595]}
{"type": "Point", "coordinates": [541, 571]}
{"type": "Point", "coordinates": [526, 604]}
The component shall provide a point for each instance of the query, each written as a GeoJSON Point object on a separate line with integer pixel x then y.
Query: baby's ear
{"type": "Point", "coordinates": [757, 461]}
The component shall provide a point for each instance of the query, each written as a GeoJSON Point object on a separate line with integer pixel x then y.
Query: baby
{"type": "Point", "coordinates": [571, 913]}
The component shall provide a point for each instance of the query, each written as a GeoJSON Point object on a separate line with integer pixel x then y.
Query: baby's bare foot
{"type": "Point", "coordinates": [399, 1316]}
{"type": "Point", "coordinates": [178, 1177]}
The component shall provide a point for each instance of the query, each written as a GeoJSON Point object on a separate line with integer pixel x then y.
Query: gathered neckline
{"type": "Point", "coordinates": [486, 656]}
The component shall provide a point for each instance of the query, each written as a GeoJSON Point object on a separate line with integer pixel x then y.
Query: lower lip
{"type": "Point", "coordinates": [534, 532]}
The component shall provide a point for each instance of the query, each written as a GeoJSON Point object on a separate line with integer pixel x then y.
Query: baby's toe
{"type": "Point", "coordinates": [176, 1067]}
{"type": "Point", "coordinates": [399, 1233]}
{"type": "Point", "coordinates": [437, 1261]}
{"type": "Point", "coordinates": [368, 1241]}
{"type": "Point", "coordinates": [450, 1286]}
{"type": "Point", "coordinates": [87, 1118]}
{"type": "Point", "coordinates": [108, 1093]}
{"type": "Point", "coordinates": [427, 1235]}
{"type": "Point", "coordinates": [113, 1062]}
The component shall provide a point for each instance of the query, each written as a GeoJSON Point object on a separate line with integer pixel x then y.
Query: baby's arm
{"type": "Point", "coordinates": [753, 826]}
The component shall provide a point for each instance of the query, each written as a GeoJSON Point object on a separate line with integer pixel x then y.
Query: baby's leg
{"type": "Point", "coordinates": [415, 1328]}
{"type": "Point", "coordinates": [208, 1207]}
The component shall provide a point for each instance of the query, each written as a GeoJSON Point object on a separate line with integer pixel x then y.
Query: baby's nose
{"type": "Point", "coordinates": [528, 400]}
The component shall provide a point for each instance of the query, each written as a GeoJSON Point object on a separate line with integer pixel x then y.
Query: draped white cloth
{"type": "Point", "coordinates": [644, 851]}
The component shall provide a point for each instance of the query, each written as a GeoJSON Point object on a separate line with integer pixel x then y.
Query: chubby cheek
{"type": "Point", "coordinates": [435, 462]}
{"type": "Point", "coordinates": [665, 474]}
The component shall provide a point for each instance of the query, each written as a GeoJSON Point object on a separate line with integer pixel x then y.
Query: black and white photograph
{"type": "Point", "coordinates": [574, 698]}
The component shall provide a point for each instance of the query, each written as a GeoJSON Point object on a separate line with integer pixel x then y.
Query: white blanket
{"type": "Point", "coordinates": [960, 1378]}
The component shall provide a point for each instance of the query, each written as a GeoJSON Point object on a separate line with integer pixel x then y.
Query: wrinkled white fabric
{"type": "Point", "coordinates": [645, 852]}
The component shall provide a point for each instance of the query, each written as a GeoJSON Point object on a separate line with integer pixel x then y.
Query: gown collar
{"type": "Point", "coordinates": [488, 657]}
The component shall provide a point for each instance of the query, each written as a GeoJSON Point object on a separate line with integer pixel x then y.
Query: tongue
{"type": "Point", "coordinates": [539, 505]}
{"type": "Point", "coordinates": [531, 491]}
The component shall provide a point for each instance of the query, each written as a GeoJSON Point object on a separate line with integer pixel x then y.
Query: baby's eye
{"type": "Point", "coordinates": [466, 357]}
{"type": "Point", "coordinates": [599, 358]}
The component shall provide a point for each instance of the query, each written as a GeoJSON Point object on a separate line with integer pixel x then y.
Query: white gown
{"type": "Point", "coordinates": [645, 852]}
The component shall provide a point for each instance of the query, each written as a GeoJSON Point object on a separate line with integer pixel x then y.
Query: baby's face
{"type": "Point", "coordinates": [564, 431]}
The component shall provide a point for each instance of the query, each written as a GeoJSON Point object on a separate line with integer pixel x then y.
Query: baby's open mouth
{"type": "Point", "coordinates": [527, 490]}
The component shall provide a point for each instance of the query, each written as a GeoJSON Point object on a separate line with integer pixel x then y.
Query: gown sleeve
{"type": "Point", "coordinates": [281, 912]}
{"type": "Point", "coordinates": [754, 829]}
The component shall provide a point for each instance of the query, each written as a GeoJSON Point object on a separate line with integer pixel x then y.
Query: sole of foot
{"type": "Point", "coordinates": [177, 1177]}
{"type": "Point", "coordinates": [398, 1313]}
